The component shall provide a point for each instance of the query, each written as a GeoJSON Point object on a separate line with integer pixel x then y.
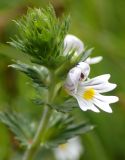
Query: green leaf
{"type": "Point", "coordinates": [66, 106]}
{"type": "Point", "coordinates": [39, 75]}
{"type": "Point", "coordinates": [62, 128]}
{"type": "Point", "coordinates": [86, 54]}
{"type": "Point", "coordinates": [13, 53]}
{"type": "Point", "coordinates": [38, 101]}
{"type": "Point", "coordinates": [19, 125]}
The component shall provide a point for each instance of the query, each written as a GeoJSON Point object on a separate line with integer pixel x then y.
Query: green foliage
{"type": "Point", "coordinates": [63, 127]}
{"type": "Point", "coordinates": [66, 106]}
{"type": "Point", "coordinates": [19, 125]}
{"type": "Point", "coordinates": [86, 54]}
{"type": "Point", "coordinates": [71, 60]}
{"type": "Point", "coordinates": [100, 24]}
{"type": "Point", "coordinates": [41, 35]}
{"type": "Point", "coordinates": [38, 74]}
{"type": "Point", "coordinates": [41, 80]}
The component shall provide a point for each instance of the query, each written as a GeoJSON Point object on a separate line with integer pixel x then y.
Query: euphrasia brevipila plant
{"type": "Point", "coordinates": [59, 69]}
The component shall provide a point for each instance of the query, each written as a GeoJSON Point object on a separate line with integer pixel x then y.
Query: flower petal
{"type": "Point", "coordinates": [97, 80]}
{"type": "Point", "coordinates": [81, 103]}
{"type": "Point", "coordinates": [106, 99]}
{"type": "Point", "coordinates": [85, 69]}
{"type": "Point", "coordinates": [94, 60]}
{"type": "Point", "coordinates": [104, 87]}
{"type": "Point", "coordinates": [71, 42]}
{"type": "Point", "coordinates": [94, 108]}
{"type": "Point", "coordinates": [74, 74]}
{"type": "Point", "coordinates": [102, 105]}
{"type": "Point", "coordinates": [72, 80]}
{"type": "Point", "coordinates": [86, 105]}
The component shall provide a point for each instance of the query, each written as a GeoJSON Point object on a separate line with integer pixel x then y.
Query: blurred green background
{"type": "Point", "coordinates": [100, 24]}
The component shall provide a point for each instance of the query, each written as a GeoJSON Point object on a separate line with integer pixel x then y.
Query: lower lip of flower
{"type": "Point", "coordinates": [63, 146]}
{"type": "Point", "coordinates": [88, 94]}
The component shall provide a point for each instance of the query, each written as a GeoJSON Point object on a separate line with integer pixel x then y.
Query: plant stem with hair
{"type": "Point", "coordinates": [31, 150]}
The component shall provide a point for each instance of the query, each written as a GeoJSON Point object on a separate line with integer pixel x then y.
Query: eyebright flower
{"type": "Point", "coordinates": [88, 94]}
{"type": "Point", "coordinates": [69, 151]}
{"type": "Point", "coordinates": [76, 74]}
{"type": "Point", "coordinates": [71, 43]}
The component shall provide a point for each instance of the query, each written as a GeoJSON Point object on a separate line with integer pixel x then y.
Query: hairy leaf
{"type": "Point", "coordinates": [19, 125]}
{"type": "Point", "coordinates": [62, 128]}
{"type": "Point", "coordinates": [39, 75]}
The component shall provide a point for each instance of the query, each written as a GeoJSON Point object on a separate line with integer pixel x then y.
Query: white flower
{"type": "Point", "coordinates": [87, 92]}
{"type": "Point", "coordinates": [89, 97]}
{"type": "Point", "coordinates": [71, 43]}
{"type": "Point", "coordinates": [69, 151]}
{"type": "Point", "coordinates": [76, 74]}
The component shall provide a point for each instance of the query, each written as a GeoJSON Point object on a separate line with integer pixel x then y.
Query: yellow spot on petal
{"type": "Point", "coordinates": [89, 94]}
{"type": "Point", "coordinates": [63, 146]}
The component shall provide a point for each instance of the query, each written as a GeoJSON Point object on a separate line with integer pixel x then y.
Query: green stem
{"type": "Point", "coordinates": [31, 150]}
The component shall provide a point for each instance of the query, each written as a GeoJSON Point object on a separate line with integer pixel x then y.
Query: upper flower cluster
{"type": "Point", "coordinates": [41, 36]}
{"type": "Point", "coordinates": [87, 91]}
